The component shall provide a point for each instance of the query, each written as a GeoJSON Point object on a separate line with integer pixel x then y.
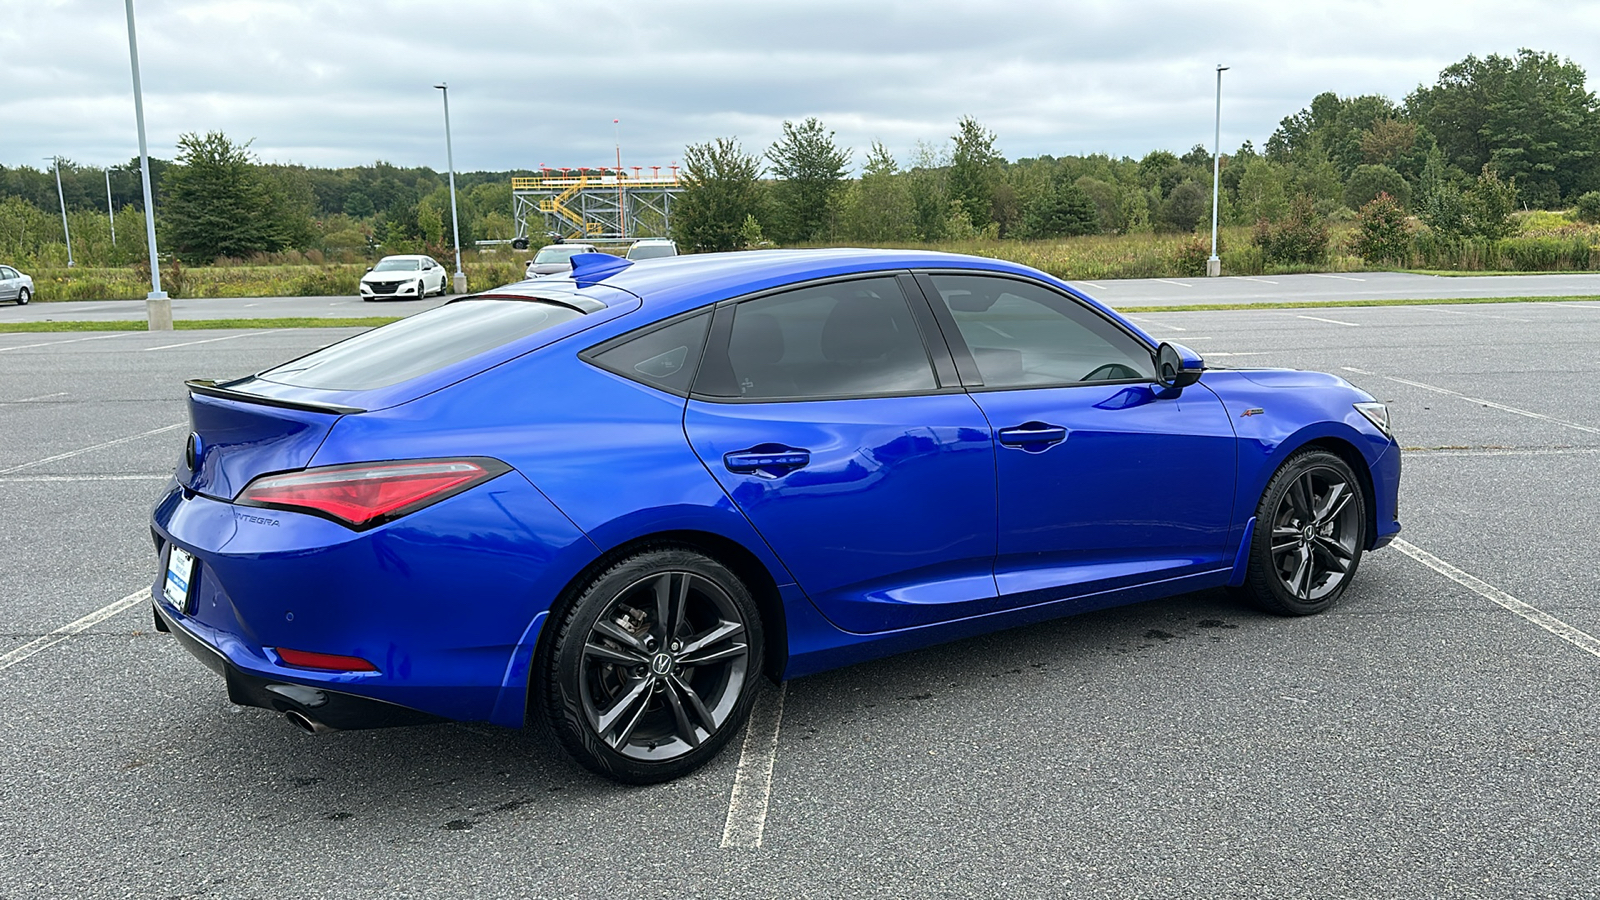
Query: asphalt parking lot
{"type": "Point", "coordinates": [1431, 736]}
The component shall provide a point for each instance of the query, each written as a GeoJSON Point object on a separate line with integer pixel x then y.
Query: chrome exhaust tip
{"type": "Point", "coordinates": [307, 724]}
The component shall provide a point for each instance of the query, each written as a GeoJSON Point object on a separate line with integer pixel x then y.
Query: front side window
{"type": "Point", "coordinates": [843, 339]}
{"type": "Point", "coordinates": [1026, 335]}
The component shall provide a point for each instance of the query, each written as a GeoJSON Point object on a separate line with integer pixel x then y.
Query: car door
{"type": "Point", "coordinates": [839, 429]}
{"type": "Point", "coordinates": [10, 283]}
{"type": "Point", "coordinates": [1104, 481]}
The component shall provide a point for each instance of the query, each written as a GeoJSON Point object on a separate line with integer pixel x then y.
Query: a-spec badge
{"type": "Point", "coordinates": [192, 451]}
{"type": "Point", "coordinates": [1252, 411]}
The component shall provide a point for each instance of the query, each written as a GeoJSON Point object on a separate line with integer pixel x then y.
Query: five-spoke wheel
{"type": "Point", "coordinates": [652, 668]}
{"type": "Point", "coordinates": [1310, 531]}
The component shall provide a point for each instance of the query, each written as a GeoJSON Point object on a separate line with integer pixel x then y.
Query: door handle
{"type": "Point", "coordinates": [767, 460]}
{"type": "Point", "coordinates": [1033, 437]}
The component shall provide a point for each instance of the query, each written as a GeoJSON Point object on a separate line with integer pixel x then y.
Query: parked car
{"type": "Point", "coordinates": [408, 277]}
{"type": "Point", "coordinates": [555, 258]}
{"type": "Point", "coordinates": [615, 500]}
{"type": "Point", "coordinates": [15, 286]}
{"type": "Point", "coordinates": [652, 248]}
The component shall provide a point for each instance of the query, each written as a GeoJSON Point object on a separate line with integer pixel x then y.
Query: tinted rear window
{"type": "Point", "coordinates": [423, 343]}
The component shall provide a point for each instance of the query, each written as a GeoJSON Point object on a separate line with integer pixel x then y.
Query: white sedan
{"type": "Point", "coordinates": [15, 286]}
{"type": "Point", "coordinates": [404, 278]}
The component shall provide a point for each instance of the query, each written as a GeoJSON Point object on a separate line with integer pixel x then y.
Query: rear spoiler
{"type": "Point", "coordinates": [210, 388]}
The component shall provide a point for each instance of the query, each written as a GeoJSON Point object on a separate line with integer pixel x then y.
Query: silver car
{"type": "Point", "coordinates": [15, 286]}
{"type": "Point", "coordinates": [553, 258]}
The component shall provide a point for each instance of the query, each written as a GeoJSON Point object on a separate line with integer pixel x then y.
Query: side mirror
{"type": "Point", "coordinates": [1177, 366]}
{"type": "Point", "coordinates": [369, 268]}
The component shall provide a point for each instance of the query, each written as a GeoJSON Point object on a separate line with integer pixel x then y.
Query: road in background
{"type": "Point", "coordinates": [1125, 293]}
{"type": "Point", "coordinates": [1417, 740]}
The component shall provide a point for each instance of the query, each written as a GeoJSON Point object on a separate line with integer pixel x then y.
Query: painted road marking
{"type": "Point", "coordinates": [1331, 321]}
{"type": "Point", "coordinates": [47, 641]}
{"type": "Point", "coordinates": [1211, 353]}
{"type": "Point", "coordinates": [1452, 312]}
{"type": "Point", "coordinates": [206, 341]}
{"type": "Point", "coordinates": [1262, 280]}
{"type": "Point", "coordinates": [1340, 277]}
{"type": "Point", "coordinates": [1098, 287]}
{"type": "Point", "coordinates": [1157, 324]}
{"type": "Point", "coordinates": [1478, 400]}
{"type": "Point", "coordinates": [71, 453]}
{"type": "Point", "coordinates": [35, 479]}
{"type": "Point", "coordinates": [752, 783]}
{"type": "Point", "coordinates": [37, 399]}
{"type": "Point", "coordinates": [98, 337]}
{"type": "Point", "coordinates": [1574, 636]}
{"type": "Point", "coordinates": [1178, 283]}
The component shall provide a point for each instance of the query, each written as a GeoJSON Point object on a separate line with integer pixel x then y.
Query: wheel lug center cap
{"type": "Point", "coordinates": [661, 663]}
{"type": "Point", "coordinates": [1308, 533]}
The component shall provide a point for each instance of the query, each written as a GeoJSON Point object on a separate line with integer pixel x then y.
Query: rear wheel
{"type": "Point", "coordinates": [1311, 527]}
{"type": "Point", "coordinates": [653, 666]}
{"type": "Point", "coordinates": [23, 297]}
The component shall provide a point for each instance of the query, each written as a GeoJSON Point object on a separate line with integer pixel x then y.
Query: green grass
{"type": "Point", "coordinates": [1453, 273]}
{"type": "Point", "coordinates": [199, 324]}
{"type": "Point", "coordinates": [1330, 304]}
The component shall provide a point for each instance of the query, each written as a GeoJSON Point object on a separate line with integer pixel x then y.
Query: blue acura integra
{"type": "Point", "coordinates": [616, 499]}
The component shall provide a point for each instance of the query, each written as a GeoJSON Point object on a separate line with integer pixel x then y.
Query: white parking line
{"type": "Point", "coordinates": [45, 642]}
{"type": "Point", "coordinates": [1331, 321]}
{"type": "Point", "coordinates": [1452, 312]}
{"type": "Point", "coordinates": [1262, 280]}
{"type": "Point", "coordinates": [1340, 277]}
{"type": "Point", "coordinates": [1178, 283]}
{"type": "Point", "coordinates": [752, 783]}
{"type": "Point", "coordinates": [37, 399]}
{"type": "Point", "coordinates": [1480, 401]}
{"type": "Point", "coordinates": [1574, 636]}
{"type": "Point", "coordinates": [98, 337]}
{"type": "Point", "coordinates": [71, 453]}
{"type": "Point", "coordinates": [36, 479]}
{"type": "Point", "coordinates": [1098, 287]}
{"type": "Point", "coordinates": [1144, 321]}
{"type": "Point", "coordinates": [206, 341]}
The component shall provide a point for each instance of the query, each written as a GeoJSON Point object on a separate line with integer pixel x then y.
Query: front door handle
{"type": "Point", "coordinates": [1034, 437]}
{"type": "Point", "coordinates": [767, 460]}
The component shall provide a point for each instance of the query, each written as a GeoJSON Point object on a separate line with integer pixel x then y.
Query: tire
{"type": "Point", "coordinates": [23, 297]}
{"type": "Point", "coordinates": [1311, 528]}
{"type": "Point", "coordinates": [653, 666]}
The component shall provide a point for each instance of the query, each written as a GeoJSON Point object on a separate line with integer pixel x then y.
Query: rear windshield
{"type": "Point", "coordinates": [651, 251]}
{"type": "Point", "coordinates": [423, 343]}
{"type": "Point", "coordinates": [558, 253]}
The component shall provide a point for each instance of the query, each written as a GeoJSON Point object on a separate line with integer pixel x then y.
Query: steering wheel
{"type": "Point", "coordinates": [1112, 372]}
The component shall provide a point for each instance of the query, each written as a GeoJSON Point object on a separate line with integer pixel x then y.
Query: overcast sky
{"type": "Point", "coordinates": [347, 82]}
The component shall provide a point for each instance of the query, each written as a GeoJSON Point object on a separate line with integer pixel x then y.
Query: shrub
{"type": "Point", "coordinates": [1368, 182]}
{"type": "Point", "coordinates": [1589, 208]}
{"type": "Point", "coordinates": [1302, 237]}
{"type": "Point", "coordinates": [1382, 234]}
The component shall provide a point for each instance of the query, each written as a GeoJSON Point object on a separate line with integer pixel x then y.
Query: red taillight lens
{"type": "Point", "coordinates": [366, 494]}
{"type": "Point", "coordinates": [327, 662]}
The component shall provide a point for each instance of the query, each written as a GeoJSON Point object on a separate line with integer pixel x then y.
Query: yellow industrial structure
{"type": "Point", "coordinates": [598, 204]}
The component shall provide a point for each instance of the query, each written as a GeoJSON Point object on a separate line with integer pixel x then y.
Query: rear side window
{"type": "Point", "coordinates": [841, 339]}
{"type": "Point", "coordinates": [663, 356]}
{"type": "Point", "coordinates": [423, 343]}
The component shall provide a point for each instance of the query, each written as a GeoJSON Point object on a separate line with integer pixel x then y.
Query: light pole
{"type": "Point", "coordinates": [63, 200]}
{"type": "Point", "coordinates": [450, 161]}
{"type": "Point", "coordinates": [1214, 264]}
{"type": "Point", "coordinates": [111, 210]}
{"type": "Point", "coordinates": [157, 305]}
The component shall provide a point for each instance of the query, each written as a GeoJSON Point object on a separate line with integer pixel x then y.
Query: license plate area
{"type": "Point", "coordinates": [179, 584]}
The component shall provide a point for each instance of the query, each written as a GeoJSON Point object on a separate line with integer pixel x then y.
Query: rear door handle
{"type": "Point", "coordinates": [1034, 437]}
{"type": "Point", "coordinates": [767, 460]}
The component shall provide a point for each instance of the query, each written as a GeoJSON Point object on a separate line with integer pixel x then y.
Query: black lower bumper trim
{"type": "Point", "coordinates": [335, 709]}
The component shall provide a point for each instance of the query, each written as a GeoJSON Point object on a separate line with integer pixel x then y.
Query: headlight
{"type": "Point", "coordinates": [1378, 415]}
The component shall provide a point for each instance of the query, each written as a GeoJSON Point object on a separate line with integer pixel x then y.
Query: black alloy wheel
{"type": "Point", "coordinates": [654, 666]}
{"type": "Point", "coordinates": [23, 297]}
{"type": "Point", "coordinates": [1311, 528]}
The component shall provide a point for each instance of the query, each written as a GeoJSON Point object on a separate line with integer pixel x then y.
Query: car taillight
{"type": "Point", "coordinates": [362, 495]}
{"type": "Point", "coordinates": [327, 662]}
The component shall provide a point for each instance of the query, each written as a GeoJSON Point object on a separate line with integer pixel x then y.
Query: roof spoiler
{"type": "Point", "coordinates": [210, 388]}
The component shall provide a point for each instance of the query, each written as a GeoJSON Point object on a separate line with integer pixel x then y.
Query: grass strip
{"type": "Point", "coordinates": [200, 324]}
{"type": "Point", "coordinates": [1331, 304]}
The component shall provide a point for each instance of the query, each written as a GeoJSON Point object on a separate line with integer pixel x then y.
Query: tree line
{"type": "Point", "coordinates": [1491, 135]}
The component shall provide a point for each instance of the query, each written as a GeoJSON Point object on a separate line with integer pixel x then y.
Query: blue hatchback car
{"type": "Point", "coordinates": [617, 499]}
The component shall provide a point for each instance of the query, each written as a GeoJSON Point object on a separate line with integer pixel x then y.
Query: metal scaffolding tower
{"type": "Point", "coordinates": [598, 205]}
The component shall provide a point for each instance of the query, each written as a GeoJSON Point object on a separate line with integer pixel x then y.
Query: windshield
{"type": "Point", "coordinates": [652, 251]}
{"type": "Point", "coordinates": [559, 253]}
{"type": "Point", "coordinates": [397, 265]}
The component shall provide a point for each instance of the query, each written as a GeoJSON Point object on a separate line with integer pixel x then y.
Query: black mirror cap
{"type": "Point", "coordinates": [519, 244]}
{"type": "Point", "coordinates": [1177, 366]}
{"type": "Point", "coordinates": [369, 268]}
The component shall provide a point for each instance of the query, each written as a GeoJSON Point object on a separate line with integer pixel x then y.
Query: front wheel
{"type": "Point", "coordinates": [1311, 527]}
{"type": "Point", "coordinates": [23, 297]}
{"type": "Point", "coordinates": [653, 666]}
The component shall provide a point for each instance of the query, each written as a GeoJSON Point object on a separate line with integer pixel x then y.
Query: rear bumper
{"type": "Point", "coordinates": [335, 709]}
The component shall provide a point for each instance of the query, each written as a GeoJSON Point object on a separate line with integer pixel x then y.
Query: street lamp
{"type": "Point", "coordinates": [111, 211]}
{"type": "Point", "coordinates": [1214, 264]}
{"type": "Point", "coordinates": [63, 199]}
{"type": "Point", "coordinates": [157, 306]}
{"type": "Point", "coordinates": [450, 161]}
